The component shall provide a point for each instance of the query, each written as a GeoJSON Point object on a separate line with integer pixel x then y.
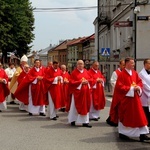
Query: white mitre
{"type": "Point", "coordinates": [24, 58]}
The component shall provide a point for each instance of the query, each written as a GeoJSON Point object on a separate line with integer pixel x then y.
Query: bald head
{"type": "Point", "coordinates": [63, 68]}
{"type": "Point", "coordinates": [80, 64]}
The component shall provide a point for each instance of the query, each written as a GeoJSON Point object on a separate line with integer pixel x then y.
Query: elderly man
{"type": "Point", "coordinates": [65, 88]}
{"type": "Point", "coordinates": [98, 97]}
{"type": "Point", "coordinates": [4, 91]}
{"type": "Point", "coordinates": [131, 117]}
{"type": "Point", "coordinates": [14, 83]}
{"type": "Point", "coordinates": [145, 98]}
{"type": "Point", "coordinates": [80, 88]}
{"type": "Point", "coordinates": [20, 78]}
{"type": "Point", "coordinates": [31, 90]}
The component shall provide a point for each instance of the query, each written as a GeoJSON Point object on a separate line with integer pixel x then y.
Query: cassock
{"type": "Point", "coordinates": [65, 90]}
{"type": "Point", "coordinates": [31, 91]}
{"type": "Point", "coordinates": [54, 89]}
{"type": "Point", "coordinates": [4, 91]}
{"type": "Point", "coordinates": [81, 97]}
{"type": "Point", "coordinates": [98, 96]}
{"type": "Point", "coordinates": [131, 117]}
{"type": "Point", "coordinates": [145, 97]}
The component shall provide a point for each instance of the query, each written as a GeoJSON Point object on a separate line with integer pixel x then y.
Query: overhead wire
{"type": "Point", "coordinates": [72, 8]}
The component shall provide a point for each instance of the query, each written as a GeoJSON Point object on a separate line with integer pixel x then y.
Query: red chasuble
{"type": "Point", "coordinates": [82, 96]}
{"type": "Point", "coordinates": [98, 96]}
{"type": "Point", "coordinates": [128, 109]}
{"type": "Point", "coordinates": [4, 91]}
{"type": "Point", "coordinates": [114, 104]}
{"type": "Point", "coordinates": [65, 90]}
{"type": "Point", "coordinates": [37, 90]}
{"type": "Point", "coordinates": [21, 77]}
{"type": "Point", "coordinates": [54, 89]}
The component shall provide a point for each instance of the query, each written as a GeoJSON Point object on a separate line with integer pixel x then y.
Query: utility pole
{"type": "Point", "coordinates": [98, 4]}
{"type": "Point", "coordinates": [135, 30]}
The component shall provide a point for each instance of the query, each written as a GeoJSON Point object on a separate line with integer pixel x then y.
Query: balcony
{"type": "Point", "coordinates": [104, 18]}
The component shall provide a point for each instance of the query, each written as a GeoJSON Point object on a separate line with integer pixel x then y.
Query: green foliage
{"type": "Point", "coordinates": [16, 26]}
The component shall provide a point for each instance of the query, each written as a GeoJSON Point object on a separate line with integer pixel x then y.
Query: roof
{"type": "Point", "coordinates": [63, 45]}
{"type": "Point", "coordinates": [77, 41]}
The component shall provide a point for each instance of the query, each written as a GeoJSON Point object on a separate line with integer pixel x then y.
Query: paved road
{"type": "Point", "coordinates": [18, 131]}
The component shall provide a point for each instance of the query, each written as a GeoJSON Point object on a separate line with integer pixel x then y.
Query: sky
{"type": "Point", "coordinates": [50, 27]}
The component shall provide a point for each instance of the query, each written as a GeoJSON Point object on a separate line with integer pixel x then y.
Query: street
{"type": "Point", "coordinates": [22, 132]}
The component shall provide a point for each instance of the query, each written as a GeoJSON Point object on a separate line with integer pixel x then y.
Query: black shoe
{"type": "Point", "coordinates": [94, 119]}
{"type": "Point", "coordinates": [30, 114]}
{"type": "Point", "coordinates": [42, 114]}
{"type": "Point", "coordinates": [57, 116]}
{"type": "Point", "coordinates": [54, 118]}
{"type": "Point", "coordinates": [0, 111]}
{"type": "Point", "coordinates": [123, 137]}
{"type": "Point", "coordinates": [73, 123]}
{"type": "Point", "coordinates": [12, 102]}
{"type": "Point", "coordinates": [63, 109]}
{"type": "Point", "coordinates": [98, 118]}
{"type": "Point", "coordinates": [86, 125]}
{"type": "Point", "coordinates": [111, 123]}
{"type": "Point", "coordinates": [144, 137]}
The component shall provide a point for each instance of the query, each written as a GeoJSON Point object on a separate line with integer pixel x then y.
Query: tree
{"type": "Point", "coordinates": [16, 26]}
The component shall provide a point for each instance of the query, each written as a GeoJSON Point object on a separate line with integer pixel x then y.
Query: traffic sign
{"type": "Point", "coordinates": [105, 51]}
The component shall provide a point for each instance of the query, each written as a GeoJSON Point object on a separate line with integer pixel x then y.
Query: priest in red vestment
{"type": "Point", "coordinates": [4, 90]}
{"type": "Point", "coordinates": [65, 89]}
{"type": "Point", "coordinates": [113, 80]}
{"type": "Point", "coordinates": [98, 96]}
{"type": "Point", "coordinates": [20, 78]}
{"type": "Point", "coordinates": [80, 88]}
{"type": "Point", "coordinates": [53, 86]}
{"type": "Point", "coordinates": [131, 117]}
{"type": "Point", "coordinates": [31, 90]}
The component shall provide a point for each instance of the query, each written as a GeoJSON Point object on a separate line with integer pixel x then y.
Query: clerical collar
{"type": "Point", "coordinates": [148, 71]}
{"type": "Point", "coordinates": [54, 69]}
{"type": "Point", "coordinates": [129, 71]}
{"type": "Point", "coordinates": [81, 70]}
{"type": "Point", "coordinates": [37, 69]}
{"type": "Point", "coordinates": [94, 70]}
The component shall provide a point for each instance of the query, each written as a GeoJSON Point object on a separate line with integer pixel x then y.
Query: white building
{"type": "Point", "coordinates": [123, 26]}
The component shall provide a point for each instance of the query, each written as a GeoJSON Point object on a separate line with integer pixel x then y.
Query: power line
{"type": "Point", "coordinates": [78, 8]}
{"type": "Point", "coordinates": [64, 9]}
{"type": "Point", "coordinates": [74, 8]}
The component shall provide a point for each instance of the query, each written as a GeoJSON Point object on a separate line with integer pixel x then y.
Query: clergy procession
{"type": "Point", "coordinates": [44, 91]}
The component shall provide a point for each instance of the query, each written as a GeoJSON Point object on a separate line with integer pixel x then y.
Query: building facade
{"type": "Point", "coordinates": [122, 28]}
